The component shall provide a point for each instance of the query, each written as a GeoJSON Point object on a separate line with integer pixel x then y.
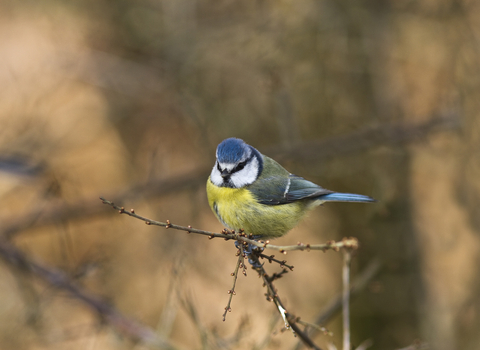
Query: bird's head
{"type": "Point", "coordinates": [237, 164]}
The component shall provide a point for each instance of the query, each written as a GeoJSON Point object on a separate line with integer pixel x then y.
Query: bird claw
{"type": "Point", "coordinates": [250, 250]}
{"type": "Point", "coordinates": [255, 263]}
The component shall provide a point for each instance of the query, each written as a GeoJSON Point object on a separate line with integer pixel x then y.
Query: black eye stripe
{"type": "Point", "coordinates": [240, 166]}
{"type": "Point", "coordinates": [218, 167]}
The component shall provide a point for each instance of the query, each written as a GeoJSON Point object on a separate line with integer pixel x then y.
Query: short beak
{"type": "Point", "coordinates": [225, 173]}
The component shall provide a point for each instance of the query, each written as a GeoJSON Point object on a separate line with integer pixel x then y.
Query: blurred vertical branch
{"type": "Point", "coordinates": [347, 256]}
{"type": "Point", "coordinates": [357, 286]}
{"type": "Point", "coordinates": [170, 309]}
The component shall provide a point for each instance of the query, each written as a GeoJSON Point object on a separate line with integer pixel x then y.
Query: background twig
{"type": "Point", "coordinates": [358, 285]}
{"type": "Point", "coordinates": [108, 313]}
{"type": "Point", "coordinates": [347, 256]}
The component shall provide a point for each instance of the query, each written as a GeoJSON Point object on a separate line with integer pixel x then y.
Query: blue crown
{"type": "Point", "coordinates": [232, 150]}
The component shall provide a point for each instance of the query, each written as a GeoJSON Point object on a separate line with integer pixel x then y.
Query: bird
{"type": "Point", "coordinates": [249, 191]}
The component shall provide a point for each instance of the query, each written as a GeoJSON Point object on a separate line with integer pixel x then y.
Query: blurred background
{"type": "Point", "coordinates": [128, 100]}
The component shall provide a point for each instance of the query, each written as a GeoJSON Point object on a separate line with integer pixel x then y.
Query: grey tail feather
{"type": "Point", "coordinates": [345, 197]}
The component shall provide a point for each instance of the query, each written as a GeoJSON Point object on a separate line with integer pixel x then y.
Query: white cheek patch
{"type": "Point", "coordinates": [216, 177]}
{"type": "Point", "coordinates": [247, 175]}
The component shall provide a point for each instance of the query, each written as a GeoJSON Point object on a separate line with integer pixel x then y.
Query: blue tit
{"type": "Point", "coordinates": [250, 191]}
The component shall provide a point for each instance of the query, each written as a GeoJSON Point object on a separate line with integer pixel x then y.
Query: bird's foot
{"type": "Point", "coordinates": [250, 251]}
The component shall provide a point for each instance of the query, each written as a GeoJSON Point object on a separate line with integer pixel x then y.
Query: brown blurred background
{"type": "Point", "coordinates": [128, 99]}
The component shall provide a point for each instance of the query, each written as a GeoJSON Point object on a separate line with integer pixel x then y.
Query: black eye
{"type": "Point", "coordinates": [240, 166]}
{"type": "Point", "coordinates": [218, 167]}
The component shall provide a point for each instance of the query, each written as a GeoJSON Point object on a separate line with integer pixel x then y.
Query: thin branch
{"type": "Point", "coordinates": [357, 286]}
{"type": "Point", "coordinates": [315, 326]}
{"type": "Point", "coordinates": [288, 318]}
{"type": "Point", "coordinates": [270, 258]}
{"type": "Point", "coordinates": [56, 278]}
{"type": "Point", "coordinates": [347, 257]}
{"type": "Point", "coordinates": [365, 344]}
{"type": "Point", "coordinates": [335, 305]}
{"type": "Point", "coordinates": [58, 210]}
{"type": "Point", "coordinates": [417, 346]}
{"type": "Point", "coordinates": [277, 275]}
{"type": "Point", "coordinates": [240, 263]}
{"type": "Point", "coordinates": [351, 242]}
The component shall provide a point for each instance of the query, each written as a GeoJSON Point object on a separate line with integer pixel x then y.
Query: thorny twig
{"type": "Point", "coordinates": [270, 258]}
{"type": "Point", "coordinates": [288, 318]}
{"type": "Point", "coordinates": [351, 242]}
{"type": "Point", "coordinates": [240, 263]}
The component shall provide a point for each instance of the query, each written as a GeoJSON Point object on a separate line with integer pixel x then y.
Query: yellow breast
{"type": "Point", "coordinates": [237, 209]}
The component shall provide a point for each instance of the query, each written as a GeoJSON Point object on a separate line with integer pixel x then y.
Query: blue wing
{"type": "Point", "coordinates": [276, 190]}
